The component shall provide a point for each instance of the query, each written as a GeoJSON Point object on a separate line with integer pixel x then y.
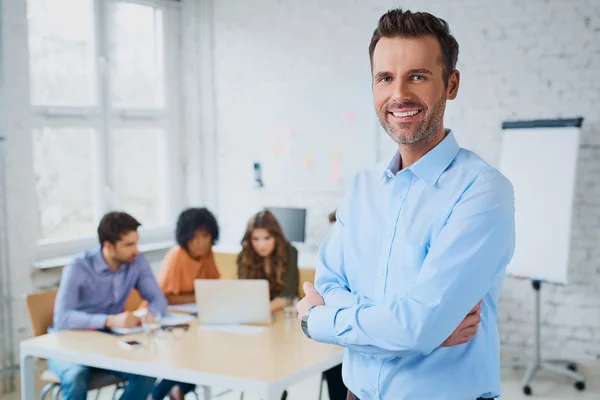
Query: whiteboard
{"type": "Point", "coordinates": [540, 159]}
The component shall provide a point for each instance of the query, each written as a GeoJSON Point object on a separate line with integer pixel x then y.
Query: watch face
{"type": "Point", "coordinates": [304, 325]}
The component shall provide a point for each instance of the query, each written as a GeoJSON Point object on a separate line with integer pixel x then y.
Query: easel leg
{"type": "Point", "coordinates": [532, 369]}
{"type": "Point", "coordinates": [537, 363]}
{"type": "Point", "coordinates": [559, 369]}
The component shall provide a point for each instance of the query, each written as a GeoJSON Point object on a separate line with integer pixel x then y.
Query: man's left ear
{"type": "Point", "coordinates": [453, 83]}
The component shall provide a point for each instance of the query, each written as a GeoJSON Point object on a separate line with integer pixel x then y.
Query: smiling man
{"type": "Point", "coordinates": [417, 243]}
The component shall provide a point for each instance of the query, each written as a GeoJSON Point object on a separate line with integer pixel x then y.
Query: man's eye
{"type": "Point", "coordinates": [418, 78]}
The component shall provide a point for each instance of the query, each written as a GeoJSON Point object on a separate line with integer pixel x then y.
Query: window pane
{"type": "Point", "coordinates": [61, 48]}
{"type": "Point", "coordinates": [137, 56]}
{"type": "Point", "coordinates": [64, 176]}
{"type": "Point", "coordinates": [138, 165]}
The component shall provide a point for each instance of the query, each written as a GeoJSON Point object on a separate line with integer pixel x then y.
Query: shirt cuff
{"type": "Point", "coordinates": [98, 321]}
{"type": "Point", "coordinates": [320, 324]}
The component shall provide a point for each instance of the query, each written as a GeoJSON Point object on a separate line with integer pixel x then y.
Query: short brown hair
{"type": "Point", "coordinates": [406, 24]}
{"type": "Point", "coordinates": [114, 225]}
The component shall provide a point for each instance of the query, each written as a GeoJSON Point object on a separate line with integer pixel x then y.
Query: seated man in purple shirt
{"type": "Point", "coordinates": [92, 294]}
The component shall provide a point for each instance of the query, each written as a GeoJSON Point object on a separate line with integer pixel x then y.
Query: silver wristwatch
{"type": "Point", "coordinates": [304, 322]}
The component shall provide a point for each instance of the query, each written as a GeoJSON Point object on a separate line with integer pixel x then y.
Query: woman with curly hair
{"type": "Point", "coordinates": [196, 232]}
{"type": "Point", "coordinates": [267, 254]}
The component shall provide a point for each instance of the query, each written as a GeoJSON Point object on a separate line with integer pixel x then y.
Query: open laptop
{"type": "Point", "coordinates": [233, 301]}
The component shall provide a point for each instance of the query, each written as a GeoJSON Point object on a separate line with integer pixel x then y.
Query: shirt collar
{"type": "Point", "coordinates": [99, 263]}
{"type": "Point", "coordinates": [392, 168]}
{"type": "Point", "coordinates": [430, 167]}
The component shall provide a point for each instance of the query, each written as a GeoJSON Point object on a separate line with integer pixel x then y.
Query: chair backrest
{"type": "Point", "coordinates": [40, 306]}
{"type": "Point", "coordinates": [134, 301]}
{"type": "Point", "coordinates": [305, 275]}
{"type": "Point", "coordinates": [227, 265]}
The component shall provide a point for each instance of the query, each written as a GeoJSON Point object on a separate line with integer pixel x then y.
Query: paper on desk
{"type": "Point", "coordinates": [239, 329]}
{"type": "Point", "coordinates": [167, 320]}
{"type": "Point", "coordinates": [176, 319]}
{"type": "Point", "coordinates": [190, 308]}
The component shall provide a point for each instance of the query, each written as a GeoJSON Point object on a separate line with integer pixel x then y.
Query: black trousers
{"type": "Point", "coordinates": [335, 386]}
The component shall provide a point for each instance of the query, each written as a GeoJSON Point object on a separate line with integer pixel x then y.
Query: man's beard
{"type": "Point", "coordinates": [423, 131]}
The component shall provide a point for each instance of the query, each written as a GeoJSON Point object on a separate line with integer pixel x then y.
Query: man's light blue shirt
{"type": "Point", "coordinates": [411, 253]}
{"type": "Point", "coordinates": [89, 291]}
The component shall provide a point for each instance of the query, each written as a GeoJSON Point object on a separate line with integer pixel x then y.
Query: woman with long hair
{"type": "Point", "coordinates": [267, 254]}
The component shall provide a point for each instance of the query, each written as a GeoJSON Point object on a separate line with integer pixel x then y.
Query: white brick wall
{"type": "Point", "coordinates": [519, 60]}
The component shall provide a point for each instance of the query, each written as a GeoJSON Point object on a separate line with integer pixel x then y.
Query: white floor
{"type": "Point", "coordinates": [544, 387]}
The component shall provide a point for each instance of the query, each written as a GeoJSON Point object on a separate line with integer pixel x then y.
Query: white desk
{"type": "Point", "coordinates": [265, 363]}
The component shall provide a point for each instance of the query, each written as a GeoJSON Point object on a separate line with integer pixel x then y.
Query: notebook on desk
{"type": "Point", "coordinates": [168, 320]}
{"type": "Point", "coordinates": [188, 308]}
{"type": "Point", "coordinates": [233, 301]}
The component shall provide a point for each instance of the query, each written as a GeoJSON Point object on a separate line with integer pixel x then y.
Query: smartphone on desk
{"type": "Point", "coordinates": [130, 344]}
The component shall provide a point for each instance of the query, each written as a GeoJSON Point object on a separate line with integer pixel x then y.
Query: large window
{"type": "Point", "coordinates": [103, 90]}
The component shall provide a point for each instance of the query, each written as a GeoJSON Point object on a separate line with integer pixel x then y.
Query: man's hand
{"type": "Point", "coordinates": [278, 304]}
{"type": "Point", "coordinates": [124, 320]}
{"type": "Point", "coordinates": [467, 328]}
{"type": "Point", "coordinates": [312, 298]}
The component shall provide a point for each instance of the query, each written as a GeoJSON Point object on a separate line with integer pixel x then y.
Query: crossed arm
{"type": "Point", "coordinates": [472, 249]}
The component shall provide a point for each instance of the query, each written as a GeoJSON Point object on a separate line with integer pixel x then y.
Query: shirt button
{"type": "Point", "coordinates": [398, 196]}
{"type": "Point", "coordinates": [382, 273]}
{"type": "Point", "coordinates": [373, 391]}
{"type": "Point", "coordinates": [389, 234]}
{"type": "Point", "coordinates": [389, 174]}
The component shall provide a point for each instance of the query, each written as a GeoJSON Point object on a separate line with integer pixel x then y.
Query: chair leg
{"type": "Point", "coordinates": [46, 389]}
{"type": "Point", "coordinates": [242, 396]}
{"type": "Point", "coordinates": [56, 393]}
{"type": "Point", "coordinates": [117, 387]}
{"type": "Point", "coordinates": [321, 387]}
{"type": "Point", "coordinates": [98, 393]}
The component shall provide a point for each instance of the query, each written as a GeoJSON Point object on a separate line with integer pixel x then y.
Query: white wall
{"type": "Point", "coordinates": [519, 60]}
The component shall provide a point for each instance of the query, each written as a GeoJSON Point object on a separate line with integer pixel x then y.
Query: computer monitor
{"type": "Point", "coordinates": [292, 221]}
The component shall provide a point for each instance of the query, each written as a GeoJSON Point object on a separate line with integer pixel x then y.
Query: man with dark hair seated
{"type": "Point", "coordinates": [196, 232]}
{"type": "Point", "coordinates": [92, 294]}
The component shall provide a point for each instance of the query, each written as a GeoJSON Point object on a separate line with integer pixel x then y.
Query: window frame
{"type": "Point", "coordinates": [102, 117]}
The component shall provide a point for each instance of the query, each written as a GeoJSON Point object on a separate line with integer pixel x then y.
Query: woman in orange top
{"type": "Point", "coordinates": [196, 232]}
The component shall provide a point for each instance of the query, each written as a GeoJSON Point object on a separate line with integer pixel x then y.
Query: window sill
{"type": "Point", "coordinates": [58, 262]}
